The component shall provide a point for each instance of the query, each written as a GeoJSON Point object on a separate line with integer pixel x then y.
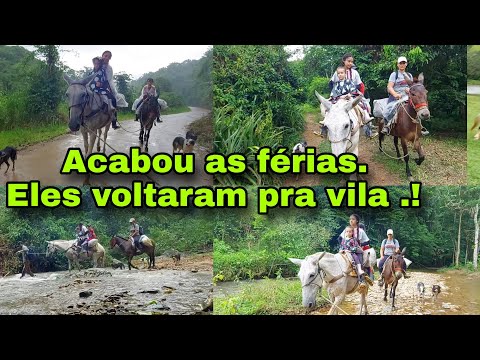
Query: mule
{"type": "Point", "coordinates": [408, 127]}
{"type": "Point", "coordinates": [97, 252]}
{"type": "Point", "coordinates": [148, 247]}
{"type": "Point", "coordinates": [332, 271]}
{"type": "Point", "coordinates": [148, 113]}
{"type": "Point", "coordinates": [392, 272]}
{"type": "Point", "coordinates": [343, 122]}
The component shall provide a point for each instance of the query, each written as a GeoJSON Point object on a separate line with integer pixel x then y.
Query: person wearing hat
{"type": "Point", "coordinates": [389, 247]}
{"type": "Point", "coordinates": [135, 232]}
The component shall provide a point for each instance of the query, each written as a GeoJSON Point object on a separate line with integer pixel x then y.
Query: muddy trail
{"type": "Point", "coordinates": [460, 295]}
{"type": "Point", "coordinates": [182, 289]}
{"type": "Point", "coordinates": [377, 173]}
{"type": "Point", "coordinates": [43, 161]}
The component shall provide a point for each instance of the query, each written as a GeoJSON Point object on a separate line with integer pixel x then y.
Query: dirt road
{"type": "Point", "coordinates": [43, 161]}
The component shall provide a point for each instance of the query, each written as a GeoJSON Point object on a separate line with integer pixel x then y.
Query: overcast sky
{"type": "Point", "coordinates": [135, 60]}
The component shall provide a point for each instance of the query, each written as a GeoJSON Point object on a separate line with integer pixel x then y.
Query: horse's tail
{"type": "Point", "coordinates": [476, 122]}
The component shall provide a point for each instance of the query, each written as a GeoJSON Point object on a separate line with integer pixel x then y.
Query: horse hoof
{"type": "Point", "coordinates": [385, 299]}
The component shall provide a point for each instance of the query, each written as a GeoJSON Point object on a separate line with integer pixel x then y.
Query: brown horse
{"type": "Point", "coordinates": [392, 272]}
{"type": "Point", "coordinates": [148, 247]}
{"type": "Point", "coordinates": [148, 113]}
{"type": "Point", "coordinates": [408, 126]}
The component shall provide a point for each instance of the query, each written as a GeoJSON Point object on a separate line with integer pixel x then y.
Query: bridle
{"type": "Point", "coordinates": [416, 107]}
{"type": "Point", "coordinates": [318, 274]}
{"type": "Point", "coordinates": [352, 132]}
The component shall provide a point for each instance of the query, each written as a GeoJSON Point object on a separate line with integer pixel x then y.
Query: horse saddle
{"type": "Point", "coordinates": [351, 270]}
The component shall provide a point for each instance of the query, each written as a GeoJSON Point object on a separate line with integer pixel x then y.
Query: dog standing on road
{"type": "Point", "coordinates": [435, 291]}
{"type": "Point", "coordinates": [191, 139]}
{"type": "Point", "coordinates": [8, 153]}
{"type": "Point", "coordinates": [178, 143]}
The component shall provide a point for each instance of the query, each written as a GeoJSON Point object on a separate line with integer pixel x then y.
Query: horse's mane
{"type": "Point", "coordinates": [117, 236]}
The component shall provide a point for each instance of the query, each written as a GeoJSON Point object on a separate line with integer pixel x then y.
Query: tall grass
{"type": "Point", "coordinates": [237, 132]}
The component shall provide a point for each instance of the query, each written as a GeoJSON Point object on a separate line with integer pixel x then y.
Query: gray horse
{"type": "Point", "coordinates": [88, 113]}
{"type": "Point", "coordinates": [329, 270]}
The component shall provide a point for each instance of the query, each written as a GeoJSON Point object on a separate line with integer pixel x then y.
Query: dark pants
{"type": "Point", "coordinates": [26, 269]}
{"type": "Point", "coordinates": [136, 240]}
{"type": "Point", "coordinates": [358, 258]}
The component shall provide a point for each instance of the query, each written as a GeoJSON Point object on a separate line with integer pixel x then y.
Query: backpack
{"type": "Point", "coordinates": [140, 230]}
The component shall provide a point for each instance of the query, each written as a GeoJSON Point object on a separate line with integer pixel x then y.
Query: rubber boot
{"type": "Point", "coordinates": [360, 273]}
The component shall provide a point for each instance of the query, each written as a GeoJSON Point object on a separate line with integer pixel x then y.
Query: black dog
{"type": "Point", "coordinates": [178, 144]}
{"type": "Point", "coordinates": [191, 135]}
{"type": "Point", "coordinates": [8, 153]}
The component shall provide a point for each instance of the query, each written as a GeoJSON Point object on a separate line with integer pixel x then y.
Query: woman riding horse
{"type": "Point", "coordinates": [410, 99]}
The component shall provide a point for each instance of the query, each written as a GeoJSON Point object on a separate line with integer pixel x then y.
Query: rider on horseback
{"type": "Point", "coordinates": [398, 89]}
{"type": "Point", "coordinates": [351, 244]}
{"type": "Point", "coordinates": [82, 236]}
{"type": "Point", "coordinates": [147, 90]}
{"type": "Point", "coordinates": [389, 247]}
{"type": "Point", "coordinates": [135, 234]}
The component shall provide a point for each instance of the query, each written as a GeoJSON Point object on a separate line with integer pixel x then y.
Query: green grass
{"type": "Point", "coordinates": [473, 82]}
{"type": "Point", "coordinates": [307, 109]}
{"type": "Point", "coordinates": [473, 165]}
{"type": "Point", "coordinates": [22, 137]}
{"type": "Point", "coordinates": [445, 160]}
{"type": "Point", "coordinates": [203, 128]}
{"type": "Point", "coordinates": [265, 297]}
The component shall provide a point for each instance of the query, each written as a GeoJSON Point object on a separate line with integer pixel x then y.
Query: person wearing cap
{"type": "Point", "coordinates": [26, 261]}
{"type": "Point", "coordinates": [389, 247]}
{"type": "Point", "coordinates": [398, 88]}
{"type": "Point", "coordinates": [135, 232]}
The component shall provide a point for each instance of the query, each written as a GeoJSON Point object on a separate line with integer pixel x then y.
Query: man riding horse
{"type": "Point", "coordinates": [135, 234]}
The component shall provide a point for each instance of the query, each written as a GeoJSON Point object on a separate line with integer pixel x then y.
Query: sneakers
{"type": "Point", "coordinates": [380, 281]}
{"type": "Point", "coordinates": [159, 120]}
{"type": "Point", "coordinates": [425, 132]}
{"type": "Point", "coordinates": [385, 130]}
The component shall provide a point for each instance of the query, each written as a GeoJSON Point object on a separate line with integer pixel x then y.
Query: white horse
{"type": "Point", "coordinates": [343, 122]}
{"type": "Point", "coordinates": [96, 252]}
{"type": "Point", "coordinates": [86, 113]}
{"type": "Point", "coordinates": [329, 270]}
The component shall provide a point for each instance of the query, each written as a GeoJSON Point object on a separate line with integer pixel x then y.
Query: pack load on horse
{"type": "Point", "coordinates": [333, 271]}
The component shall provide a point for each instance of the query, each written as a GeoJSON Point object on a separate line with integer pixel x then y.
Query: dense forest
{"type": "Point", "coordinates": [32, 89]}
{"type": "Point", "coordinates": [186, 230]}
{"type": "Point", "coordinates": [189, 82]}
{"type": "Point", "coordinates": [260, 94]}
{"type": "Point", "coordinates": [473, 59]}
{"type": "Point", "coordinates": [443, 232]}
